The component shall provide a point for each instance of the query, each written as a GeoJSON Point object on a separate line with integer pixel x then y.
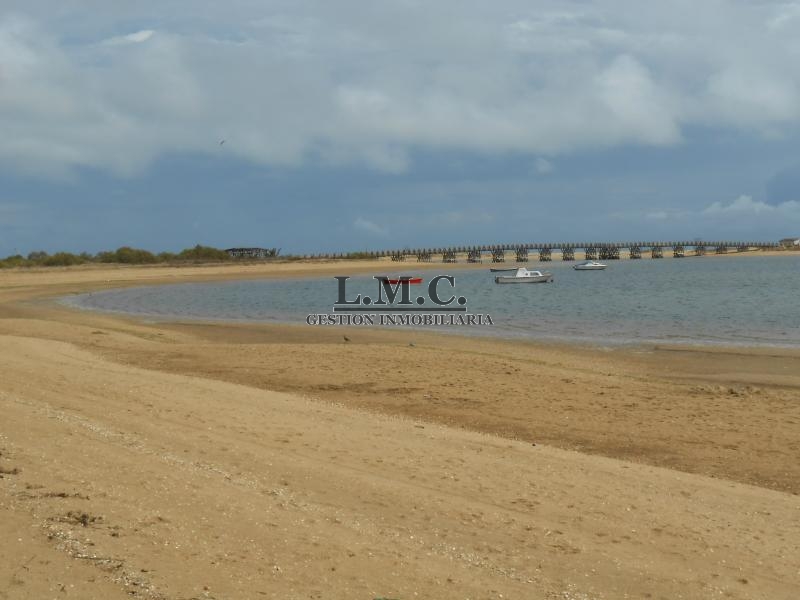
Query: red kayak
{"type": "Point", "coordinates": [396, 280]}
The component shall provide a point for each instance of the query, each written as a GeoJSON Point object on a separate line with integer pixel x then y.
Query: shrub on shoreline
{"type": "Point", "coordinates": [125, 255]}
{"type": "Point", "coordinates": [63, 259]}
{"type": "Point", "coordinates": [203, 254]}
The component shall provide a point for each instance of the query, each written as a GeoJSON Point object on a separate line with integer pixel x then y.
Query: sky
{"type": "Point", "coordinates": [347, 125]}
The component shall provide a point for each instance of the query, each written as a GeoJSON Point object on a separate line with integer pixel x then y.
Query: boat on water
{"type": "Point", "coordinates": [523, 275]}
{"type": "Point", "coordinates": [590, 265]}
{"type": "Point", "coordinates": [503, 269]}
{"type": "Point", "coordinates": [412, 280]}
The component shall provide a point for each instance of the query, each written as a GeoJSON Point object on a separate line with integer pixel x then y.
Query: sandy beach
{"type": "Point", "coordinates": [165, 460]}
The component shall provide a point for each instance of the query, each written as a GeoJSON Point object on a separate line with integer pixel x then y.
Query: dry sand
{"type": "Point", "coordinates": [177, 461]}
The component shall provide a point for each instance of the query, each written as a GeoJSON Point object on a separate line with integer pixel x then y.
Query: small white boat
{"type": "Point", "coordinates": [523, 275]}
{"type": "Point", "coordinates": [590, 265]}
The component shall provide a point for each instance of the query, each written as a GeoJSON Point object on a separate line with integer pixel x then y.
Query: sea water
{"type": "Point", "coordinates": [742, 300]}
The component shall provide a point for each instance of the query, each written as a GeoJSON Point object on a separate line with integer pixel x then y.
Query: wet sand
{"type": "Point", "coordinates": [197, 460]}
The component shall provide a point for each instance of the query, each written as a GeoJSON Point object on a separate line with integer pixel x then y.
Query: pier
{"type": "Point", "coordinates": [498, 253]}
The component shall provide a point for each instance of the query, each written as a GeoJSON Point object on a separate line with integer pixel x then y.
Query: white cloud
{"type": "Point", "coordinates": [633, 101]}
{"type": "Point", "coordinates": [784, 15]}
{"type": "Point", "coordinates": [746, 205]}
{"type": "Point", "coordinates": [743, 209]}
{"type": "Point", "coordinates": [290, 82]}
{"type": "Point", "coordinates": [367, 226]}
{"type": "Point", "coordinates": [744, 215]}
{"type": "Point", "coordinates": [740, 205]}
{"type": "Point", "coordinates": [131, 38]}
{"type": "Point", "coordinates": [748, 94]}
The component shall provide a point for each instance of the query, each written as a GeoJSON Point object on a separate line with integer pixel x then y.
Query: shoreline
{"type": "Point", "coordinates": [234, 460]}
{"type": "Point", "coordinates": [69, 281]}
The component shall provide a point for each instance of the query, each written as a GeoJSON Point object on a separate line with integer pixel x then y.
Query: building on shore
{"type": "Point", "coordinates": [253, 252]}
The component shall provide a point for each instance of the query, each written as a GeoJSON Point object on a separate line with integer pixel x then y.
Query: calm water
{"type": "Point", "coordinates": [730, 300]}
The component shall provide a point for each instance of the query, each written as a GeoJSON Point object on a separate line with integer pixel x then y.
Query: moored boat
{"type": "Point", "coordinates": [590, 265]}
{"type": "Point", "coordinates": [523, 275]}
{"type": "Point", "coordinates": [395, 280]}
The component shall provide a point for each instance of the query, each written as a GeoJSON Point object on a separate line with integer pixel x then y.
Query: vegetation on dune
{"type": "Point", "coordinates": [360, 255]}
{"type": "Point", "coordinates": [125, 255]}
{"type": "Point", "coordinates": [63, 259]}
{"type": "Point", "coordinates": [203, 254]}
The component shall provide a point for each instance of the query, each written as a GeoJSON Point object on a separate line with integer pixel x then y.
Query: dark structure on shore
{"type": "Point", "coordinates": [593, 250]}
{"type": "Point", "coordinates": [253, 252]}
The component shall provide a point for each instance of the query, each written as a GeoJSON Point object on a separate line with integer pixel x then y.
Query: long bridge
{"type": "Point", "coordinates": [592, 250]}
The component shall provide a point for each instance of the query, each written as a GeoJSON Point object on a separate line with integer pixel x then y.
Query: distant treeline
{"type": "Point", "coordinates": [125, 255]}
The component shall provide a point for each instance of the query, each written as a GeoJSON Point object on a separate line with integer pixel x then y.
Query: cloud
{"type": "Point", "coordinates": [745, 205]}
{"type": "Point", "coordinates": [131, 38]}
{"type": "Point", "coordinates": [293, 83]}
{"type": "Point", "coordinates": [369, 227]}
{"type": "Point", "coordinates": [633, 100]}
{"type": "Point", "coordinates": [784, 15]}
{"type": "Point", "coordinates": [543, 166]}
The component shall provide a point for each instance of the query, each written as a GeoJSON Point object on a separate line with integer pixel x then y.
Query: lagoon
{"type": "Point", "coordinates": [730, 300]}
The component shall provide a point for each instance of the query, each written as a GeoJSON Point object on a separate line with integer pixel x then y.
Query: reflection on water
{"type": "Point", "coordinates": [739, 300]}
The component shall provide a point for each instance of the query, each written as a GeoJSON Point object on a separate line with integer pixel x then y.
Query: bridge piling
{"type": "Point", "coordinates": [474, 256]}
{"type": "Point", "coordinates": [545, 255]}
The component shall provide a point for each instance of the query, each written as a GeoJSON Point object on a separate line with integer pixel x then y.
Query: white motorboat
{"type": "Point", "coordinates": [523, 275]}
{"type": "Point", "coordinates": [590, 265]}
